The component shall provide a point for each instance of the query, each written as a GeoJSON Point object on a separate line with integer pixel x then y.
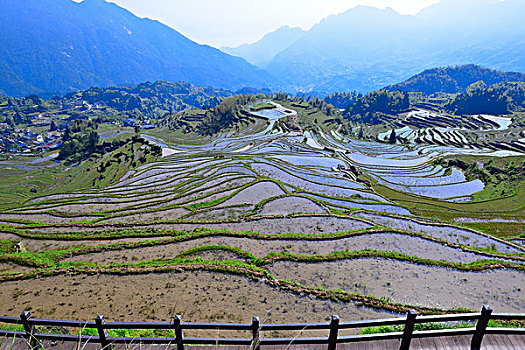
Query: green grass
{"type": "Point", "coordinates": [432, 326]}
{"type": "Point", "coordinates": [179, 236]}
{"type": "Point", "coordinates": [508, 208]}
{"type": "Point", "coordinates": [261, 106]}
{"type": "Point", "coordinates": [7, 246]}
{"type": "Point", "coordinates": [49, 263]}
{"type": "Point", "coordinates": [478, 265]}
{"type": "Point", "coordinates": [52, 259]}
{"type": "Point", "coordinates": [16, 184]}
{"type": "Point", "coordinates": [309, 117]}
{"type": "Point", "coordinates": [16, 189]}
{"type": "Point", "coordinates": [201, 205]}
{"type": "Point", "coordinates": [133, 333]}
{"type": "Point", "coordinates": [241, 253]}
{"type": "Point", "coordinates": [500, 229]}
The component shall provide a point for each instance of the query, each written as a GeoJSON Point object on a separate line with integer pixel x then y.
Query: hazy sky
{"type": "Point", "coordinates": [235, 22]}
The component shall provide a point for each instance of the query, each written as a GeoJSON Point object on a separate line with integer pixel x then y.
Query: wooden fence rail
{"type": "Point", "coordinates": [35, 339]}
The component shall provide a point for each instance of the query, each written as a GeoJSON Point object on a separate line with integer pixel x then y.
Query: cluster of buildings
{"type": "Point", "coordinates": [71, 105]}
{"type": "Point", "coordinates": [19, 139]}
{"type": "Point", "coordinates": [24, 138]}
{"type": "Point", "coordinates": [25, 141]}
{"type": "Point", "coordinates": [135, 122]}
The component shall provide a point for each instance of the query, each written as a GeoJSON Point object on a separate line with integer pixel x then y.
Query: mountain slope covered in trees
{"type": "Point", "coordinates": [58, 46]}
{"type": "Point", "coordinates": [455, 79]}
{"type": "Point", "coordinates": [149, 98]}
{"type": "Point", "coordinates": [500, 98]}
{"type": "Point", "coordinates": [371, 108]}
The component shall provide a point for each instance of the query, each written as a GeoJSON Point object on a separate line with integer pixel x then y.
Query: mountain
{"type": "Point", "coordinates": [352, 48]}
{"type": "Point", "coordinates": [262, 51]}
{"type": "Point", "coordinates": [60, 46]}
{"type": "Point", "coordinates": [366, 48]}
{"type": "Point", "coordinates": [455, 79]}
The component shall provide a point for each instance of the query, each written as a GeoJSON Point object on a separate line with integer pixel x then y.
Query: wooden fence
{"type": "Point", "coordinates": [34, 338]}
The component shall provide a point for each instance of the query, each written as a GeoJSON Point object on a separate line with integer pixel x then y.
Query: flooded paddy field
{"type": "Point", "coordinates": [291, 205]}
{"type": "Point", "coordinates": [41, 217]}
{"type": "Point", "coordinates": [443, 189]}
{"type": "Point", "coordinates": [221, 213]}
{"type": "Point", "coordinates": [257, 200]}
{"type": "Point", "coordinates": [349, 203]}
{"type": "Point", "coordinates": [168, 214]}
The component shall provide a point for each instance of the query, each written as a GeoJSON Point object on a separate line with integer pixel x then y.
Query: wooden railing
{"type": "Point", "coordinates": [35, 339]}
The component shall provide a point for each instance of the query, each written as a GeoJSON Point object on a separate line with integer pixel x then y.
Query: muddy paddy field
{"type": "Point", "coordinates": [199, 296]}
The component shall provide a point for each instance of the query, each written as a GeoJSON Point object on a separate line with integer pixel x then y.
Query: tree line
{"type": "Point", "coordinates": [500, 98]}
{"type": "Point", "coordinates": [370, 108]}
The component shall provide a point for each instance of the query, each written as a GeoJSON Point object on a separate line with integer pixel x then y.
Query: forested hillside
{"type": "Point", "coordinates": [153, 97]}
{"type": "Point", "coordinates": [372, 107]}
{"type": "Point", "coordinates": [497, 99]}
{"type": "Point", "coordinates": [455, 79]}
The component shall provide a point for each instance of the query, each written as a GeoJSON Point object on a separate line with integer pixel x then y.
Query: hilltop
{"type": "Point", "coordinates": [153, 98]}
{"type": "Point", "coordinates": [455, 79]}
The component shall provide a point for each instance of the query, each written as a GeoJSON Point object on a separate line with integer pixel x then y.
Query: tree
{"type": "Point", "coordinates": [21, 118]}
{"type": "Point", "coordinates": [68, 149]}
{"type": "Point", "coordinates": [372, 107]}
{"type": "Point", "coordinates": [10, 122]}
{"type": "Point", "coordinates": [225, 115]}
{"type": "Point", "coordinates": [93, 139]}
{"type": "Point", "coordinates": [53, 126]}
{"type": "Point", "coordinates": [392, 139]}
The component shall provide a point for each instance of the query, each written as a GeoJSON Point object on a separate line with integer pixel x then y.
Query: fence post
{"type": "Point", "coordinates": [334, 331]}
{"type": "Point", "coordinates": [256, 333]}
{"type": "Point", "coordinates": [177, 320]}
{"type": "Point", "coordinates": [481, 326]}
{"type": "Point", "coordinates": [30, 330]}
{"type": "Point", "coordinates": [409, 329]}
{"type": "Point", "coordinates": [102, 333]}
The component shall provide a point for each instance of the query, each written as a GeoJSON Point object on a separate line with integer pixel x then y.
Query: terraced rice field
{"type": "Point", "coordinates": [276, 224]}
{"type": "Point", "coordinates": [430, 128]}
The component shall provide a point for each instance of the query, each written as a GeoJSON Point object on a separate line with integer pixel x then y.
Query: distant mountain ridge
{"type": "Point", "coordinates": [367, 48]}
{"type": "Point", "coordinates": [455, 79]}
{"type": "Point", "coordinates": [261, 52]}
{"type": "Point", "coordinates": [60, 46]}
